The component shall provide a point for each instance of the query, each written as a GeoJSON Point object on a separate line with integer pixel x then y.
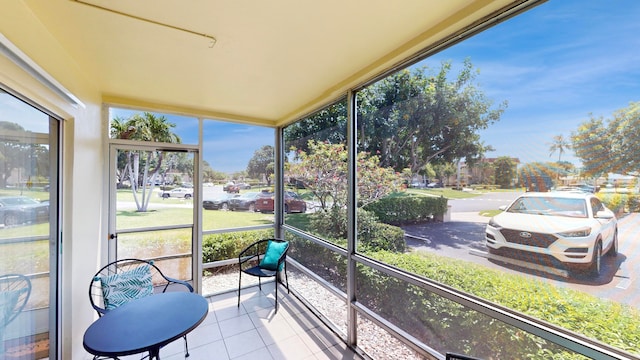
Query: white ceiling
{"type": "Point", "coordinates": [273, 60]}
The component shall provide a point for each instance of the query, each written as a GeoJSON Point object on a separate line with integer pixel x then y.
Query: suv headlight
{"type": "Point", "coordinates": [576, 233]}
{"type": "Point", "coordinates": [494, 224]}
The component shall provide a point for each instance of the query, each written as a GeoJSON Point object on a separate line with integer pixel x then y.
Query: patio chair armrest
{"type": "Point", "coordinates": [181, 282]}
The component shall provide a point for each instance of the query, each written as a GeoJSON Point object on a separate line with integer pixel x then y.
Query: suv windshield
{"type": "Point", "coordinates": [556, 206]}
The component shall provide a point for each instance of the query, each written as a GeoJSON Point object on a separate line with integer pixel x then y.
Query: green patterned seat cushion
{"type": "Point", "coordinates": [119, 289]}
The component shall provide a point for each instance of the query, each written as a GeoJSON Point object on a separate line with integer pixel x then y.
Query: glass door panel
{"type": "Point", "coordinates": [28, 228]}
{"type": "Point", "coordinates": [153, 196]}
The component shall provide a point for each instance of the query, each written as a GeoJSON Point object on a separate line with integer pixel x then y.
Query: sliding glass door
{"type": "Point", "coordinates": [29, 241]}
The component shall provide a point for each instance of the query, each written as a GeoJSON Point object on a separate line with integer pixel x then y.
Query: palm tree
{"type": "Point", "coordinates": [143, 127]}
{"type": "Point", "coordinates": [559, 144]}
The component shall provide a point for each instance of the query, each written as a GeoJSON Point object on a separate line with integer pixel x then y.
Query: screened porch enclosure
{"type": "Point", "coordinates": [381, 141]}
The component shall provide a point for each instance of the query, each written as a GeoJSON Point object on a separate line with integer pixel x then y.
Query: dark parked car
{"type": "Point", "coordinates": [15, 210]}
{"type": "Point", "coordinates": [292, 203]}
{"type": "Point", "coordinates": [246, 201]}
{"type": "Point", "coordinates": [219, 203]}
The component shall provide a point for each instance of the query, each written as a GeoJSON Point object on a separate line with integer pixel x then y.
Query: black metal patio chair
{"type": "Point", "coordinates": [263, 259]}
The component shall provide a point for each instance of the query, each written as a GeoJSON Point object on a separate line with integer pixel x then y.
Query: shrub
{"type": "Point", "coordinates": [217, 247]}
{"type": "Point", "coordinates": [633, 203]}
{"type": "Point", "coordinates": [615, 202]}
{"type": "Point", "coordinates": [437, 320]}
{"type": "Point", "coordinates": [398, 210]}
{"type": "Point", "coordinates": [372, 235]}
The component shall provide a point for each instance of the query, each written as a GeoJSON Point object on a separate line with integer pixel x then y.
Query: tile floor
{"type": "Point", "coordinates": [255, 331]}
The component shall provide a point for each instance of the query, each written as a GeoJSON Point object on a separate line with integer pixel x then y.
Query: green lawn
{"type": "Point", "coordinates": [446, 192]}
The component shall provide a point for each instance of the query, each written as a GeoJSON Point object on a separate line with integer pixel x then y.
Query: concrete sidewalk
{"type": "Point", "coordinates": [469, 217]}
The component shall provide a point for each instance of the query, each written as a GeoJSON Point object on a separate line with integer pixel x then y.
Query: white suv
{"type": "Point", "coordinates": [186, 193]}
{"type": "Point", "coordinates": [574, 228]}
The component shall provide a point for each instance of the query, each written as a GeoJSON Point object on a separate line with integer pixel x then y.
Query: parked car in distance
{"type": "Point", "coordinates": [16, 210]}
{"type": "Point", "coordinates": [292, 203]}
{"type": "Point", "coordinates": [231, 187]}
{"type": "Point", "coordinates": [574, 228]}
{"type": "Point", "coordinates": [186, 193]}
{"type": "Point", "coordinates": [243, 186]}
{"type": "Point", "coordinates": [434, 185]}
{"type": "Point", "coordinates": [246, 201]}
{"type": "Point", "coordinates": [579, 187]}
{"type": "Point", "coordinates": [220, 202]}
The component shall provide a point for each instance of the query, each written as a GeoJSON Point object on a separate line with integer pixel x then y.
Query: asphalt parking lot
{"type": "Point", "coordinates": [463, 238]}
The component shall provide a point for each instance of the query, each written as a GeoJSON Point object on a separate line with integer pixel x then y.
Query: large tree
{"type": "Point", "coordinates": [32, 159]}
{"type": "Point", "coordinates": [142, 166]}
{"type": "Point", "coordinates": [505, 171]}
{"type": "Point", "coordinates": [327, 125]}
{"type": "Point", "coordinates": [410, 119]}
{"type": "Point", "coordinates": [625, 139]}
{"type": "Point", "coordinates": [415, 117]}
{"type": "Point", "coordinates": [261, 163]}
{"type": "Point", "coordinates": [609, 145]}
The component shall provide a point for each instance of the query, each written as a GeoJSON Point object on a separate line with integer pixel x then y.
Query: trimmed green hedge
{"type": "Point", "coordinates": [217, 247]}
{"type": "Point", "coordinates": [398, 210]}
{"type": "Point", "coordinates": [620, 203]}
{"type": "Point", "coordinates": [372, 234]}
{"type": "Point", "coordinates": [439, 320]}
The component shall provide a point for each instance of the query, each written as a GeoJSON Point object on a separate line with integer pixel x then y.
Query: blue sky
{"type": "Point", "coordinates": [555, 65]}
{"type": "Point", "coordinates": [227, 147]}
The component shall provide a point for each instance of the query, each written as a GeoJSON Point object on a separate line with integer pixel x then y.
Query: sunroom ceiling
{"type": "Point", "coordinates": [271, 61]}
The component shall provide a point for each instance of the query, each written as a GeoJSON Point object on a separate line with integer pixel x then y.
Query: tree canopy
{"type": "Point", "coordinates": [505, 171]}
{"type": "Point", "coordinates": [323, 169]}
{"type": "Point", "coordinates": [410, 119]}
{"type": "Point", "coordinates": [32, 158]}
{"type": "Point", "coordinates": [140, 167]}
{"type": "Point", "coordinates": [609, 145]}
{"type": "Point", "coordinates": [261, 163]}
{"type": "Point", "coordinates": [419, 116]}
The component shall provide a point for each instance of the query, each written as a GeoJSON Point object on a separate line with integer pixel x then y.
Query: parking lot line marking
{"type": "Point", "coordinates": [418, 238]}
{"type": "Point", "coordinates": [525, 264]}
{"type": "Point", "coordinates": [624, 284]}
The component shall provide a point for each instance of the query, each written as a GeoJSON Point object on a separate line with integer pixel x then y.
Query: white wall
{"type": "Point", "coordinates": [82, 175]}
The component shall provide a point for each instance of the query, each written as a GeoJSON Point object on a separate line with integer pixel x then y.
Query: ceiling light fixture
{"type": "Point", "coordinates": [209, 37]}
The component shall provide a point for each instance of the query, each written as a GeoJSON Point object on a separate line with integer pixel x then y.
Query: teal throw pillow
{"type": "Point", "coordinates": [274, 250]}
{"type": "Point", "coordinates": [118, 289]}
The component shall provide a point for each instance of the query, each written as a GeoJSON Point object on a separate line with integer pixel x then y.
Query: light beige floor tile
{"type": "Point", "coordinates": [292, 348]}
{"type": "Point", "coordinates": [235, 325]}
{"type": "Point", "coordinates": [213, 350]}
{"type": "Point", "coordinates": [243, 343]}
{"type": "Point", "coordinates": [261, 354]}
{"type": "Point", "coordinates": [276, 331]}
{"type": "Point", "coordinates": [203, 335]}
